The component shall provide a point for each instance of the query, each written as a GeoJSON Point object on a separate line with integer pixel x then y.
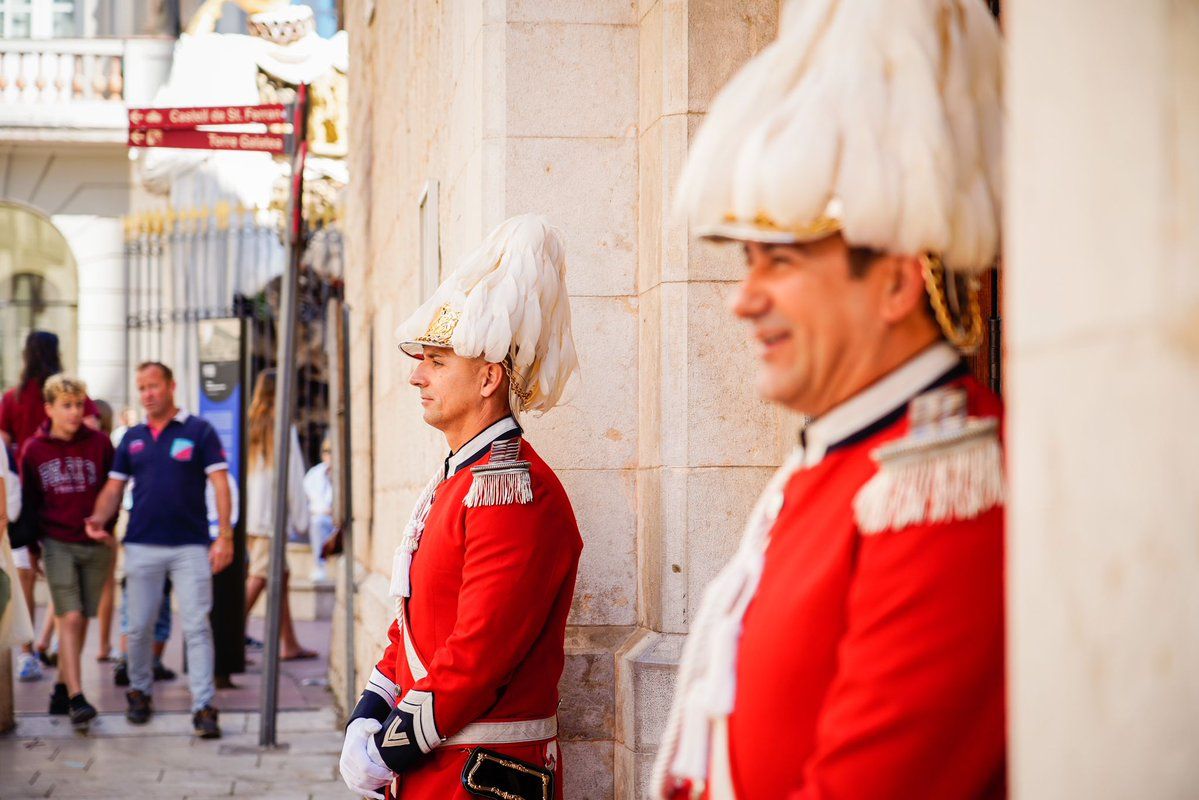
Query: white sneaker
{"type": "Point", "coordinates": [319, 575]}
{"type": "Point", "coordinates": [28, 668]}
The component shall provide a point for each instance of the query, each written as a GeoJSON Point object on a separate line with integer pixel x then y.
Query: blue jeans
{"type": "Point", "coordinates": [147, 566]}
{"type": "Point", "coordinates": [162, 625]}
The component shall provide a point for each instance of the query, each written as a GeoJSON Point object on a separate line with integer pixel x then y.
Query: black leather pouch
{"type": "Point", "coordinates": [501, 777]}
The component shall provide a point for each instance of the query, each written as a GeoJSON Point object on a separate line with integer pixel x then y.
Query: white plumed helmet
{"type": "Point", "coordinates": [507, 303]}
{"type": "Point", "coordinates": [880, 119]}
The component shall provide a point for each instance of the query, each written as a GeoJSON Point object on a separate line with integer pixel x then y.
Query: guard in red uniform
{"type": "Point", "coordinates": [463, 702]}
{"type": "Point", "coordinates": [854, 646]}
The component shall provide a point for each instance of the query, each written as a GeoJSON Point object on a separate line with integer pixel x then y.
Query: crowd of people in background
{"type": "Point", "coordinates": [79, 492]}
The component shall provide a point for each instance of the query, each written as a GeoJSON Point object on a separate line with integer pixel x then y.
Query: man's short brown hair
{"type": "Point", "coordinates": [166, 371]}
{"type": "Point", "coordinates": [62, 385]}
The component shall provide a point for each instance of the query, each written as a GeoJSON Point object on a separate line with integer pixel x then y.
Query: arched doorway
{"type": "Point", "coordinates": [39, 286]}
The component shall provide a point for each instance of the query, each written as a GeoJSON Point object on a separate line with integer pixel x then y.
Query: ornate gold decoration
{"type": "Point", "coordinates": [816, 229]}
{"type": "Point", "coordinates": [964, 334]}
{"type": "Point", "coordinates": [475, 786]}
{"type": "Point", "coordinates": [328, 115]}
{"type": "Point", "coordinates": [517, 385]}
{"type": "Point", "coordinates": [282, 31]}
{"type": "Point", "coordinates": [441, 328]}
{"type": "Point", "coordinates": [206, 16]}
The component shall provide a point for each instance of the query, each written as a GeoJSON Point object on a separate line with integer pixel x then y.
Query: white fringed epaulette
{"type": "Point", "coordinates": [949, 466]}
{"type": "Point", "coordinates": [503, 480]}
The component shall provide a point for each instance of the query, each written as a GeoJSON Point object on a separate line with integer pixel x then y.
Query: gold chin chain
{"type": "Point", "coordinates": [964, 334]}
{"type": "Point", "coordinates": [517, 385]}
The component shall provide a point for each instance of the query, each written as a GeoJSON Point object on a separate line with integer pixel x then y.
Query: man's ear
{"type": "Point", "coordinates": [493, 379]}
{"type": "Point", "coordinates": [903, 287]}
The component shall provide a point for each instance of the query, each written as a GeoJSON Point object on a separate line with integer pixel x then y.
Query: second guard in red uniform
{"type": "Point", "coordinates": [853, 647]}
{"type": "Point", "coordinates": [463, 702]}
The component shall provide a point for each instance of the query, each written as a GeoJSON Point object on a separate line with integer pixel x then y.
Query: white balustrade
{"type": "Point", "coordinates": [56, 71]}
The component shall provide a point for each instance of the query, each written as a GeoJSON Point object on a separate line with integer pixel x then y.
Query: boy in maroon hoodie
{"type": "Point", "coordinates": [63, 468]}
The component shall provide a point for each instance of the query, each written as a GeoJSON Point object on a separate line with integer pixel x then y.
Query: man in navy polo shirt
{"type": "Point", "coordinates": [170, 458]}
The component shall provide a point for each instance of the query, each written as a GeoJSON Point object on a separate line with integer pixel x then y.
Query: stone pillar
{"type": "Point", "coordinates": [1102, 309]}
{"type": "Point", "coordinates": [707, 444]}
{"type": "Point", "coordinates": [98, 246]}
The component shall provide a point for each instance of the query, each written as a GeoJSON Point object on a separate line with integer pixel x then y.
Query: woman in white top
{"type": "Point", "coordinates": [260, 506]}
{"type": "Point", "coordinates": [318, 485]}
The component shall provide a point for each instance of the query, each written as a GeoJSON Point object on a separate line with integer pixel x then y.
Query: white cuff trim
{"type": "Point", "coordinates": [424, 726]}
{"type": "Point", "coordinates": [120, 476]}
{"type": "Point", "coordinates": [217, 467]}
{"type": "Point", "coordinates": [383, 686]}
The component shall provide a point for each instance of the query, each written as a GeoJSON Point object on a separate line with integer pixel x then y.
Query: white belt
{"type": "Point", "coordinates": [532, 730]}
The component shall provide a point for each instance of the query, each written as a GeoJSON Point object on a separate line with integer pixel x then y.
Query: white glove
{"type": "Point", "coordinates": [362, 774]}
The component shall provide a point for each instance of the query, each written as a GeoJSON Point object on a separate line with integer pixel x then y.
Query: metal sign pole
{"type": "Point", "coordinates": [346, 504]}
{"type": "Point", "coordinates": [284, 402]}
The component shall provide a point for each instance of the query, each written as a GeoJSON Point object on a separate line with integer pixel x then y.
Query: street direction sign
{"type": "Point", "coordinates": [209, 140]}
{"type": "Point", "coordinates": [176, 118]}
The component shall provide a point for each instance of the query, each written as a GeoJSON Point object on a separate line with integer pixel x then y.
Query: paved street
{"type": "Point", "coordinates": [46, 758]}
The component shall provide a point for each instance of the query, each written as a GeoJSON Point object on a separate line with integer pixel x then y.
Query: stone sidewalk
{"type": "Point", "coordinates": [44, 757]}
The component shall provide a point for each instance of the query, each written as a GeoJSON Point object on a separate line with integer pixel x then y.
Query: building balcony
{"type": "Point", "coordinates": [77, 90]}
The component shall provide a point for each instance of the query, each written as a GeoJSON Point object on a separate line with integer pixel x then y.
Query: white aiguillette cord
{"type": "Point", "coordinates": [706, 682]}
{"type": "Point", "coordinates": [401, 563]}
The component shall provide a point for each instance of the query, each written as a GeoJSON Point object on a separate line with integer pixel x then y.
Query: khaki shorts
{"type": "Point", "coordinates": [259, 550]}
{"type": "Point", "coordinates": [76, 574]}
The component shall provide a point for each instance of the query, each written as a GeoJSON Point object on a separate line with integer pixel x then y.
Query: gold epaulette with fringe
{"type": "Point", "coordinates": [503, 480]}
{"type": "Point", "coordinates": [948, 467]}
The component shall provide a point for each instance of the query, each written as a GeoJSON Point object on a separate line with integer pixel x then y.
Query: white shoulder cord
{"type": "Point", "coordinates": [401, 563]}
{"type": "Point", "coordinates": [706, 684]}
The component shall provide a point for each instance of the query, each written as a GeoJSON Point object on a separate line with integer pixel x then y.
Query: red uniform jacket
{"type": "Point", "coordinates": [872, 666]}
{"type": "Point", "coordinates": [491, 587]}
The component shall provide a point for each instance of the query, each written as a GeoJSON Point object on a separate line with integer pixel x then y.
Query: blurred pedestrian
{"type": "Point", "coordinates": [853, 645]}
{"type": "Point", "coordinates": [170, 458]}
{"type": "Point", "coordinates": [260, 507]}
{"type": "Point", "coordinates": [318, 487]}
{"type": "Point", "coordinates": [16, 625]}
{"type": "Point", "coordinates": [162, 634]}
{"type": "Point", "coordinates": [126, 421]}
{"type": "Point", "coordinates": [104, 649]}
{"type": "Point", "coordinates": [63, 467]}
{"type": "Point", "coordinates": [22, 413]}
{"type": "Point", "coordinates": [22, 409]}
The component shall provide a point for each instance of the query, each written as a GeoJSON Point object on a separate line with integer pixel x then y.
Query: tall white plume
{"type": "Point", "coordinates": [891, 107]}
{"type": "Point", "coordinates": [511, 295]}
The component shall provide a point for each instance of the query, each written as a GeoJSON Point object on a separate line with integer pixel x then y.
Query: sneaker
{"type": "Point", "coordinates": [120, 673]}
{"type": "Point", "coordinates": [139, 710]}
{"type": "Point", "coordinates": [48, 657]}
{"type": "Point", "coordinates": [29, 669]}
{"type": "Point", "coordinates": [162, 673]}
{"type": "Point", "coordinates": [82, 712]}
{"type": "Point", "coordinates": [60, 703]}
{"type": "Point", "coordinates": [319, 575]}
{"type": "Point", "coordinates": [253, 644]}
{"type": "Point", "coordinates": [204, 723]}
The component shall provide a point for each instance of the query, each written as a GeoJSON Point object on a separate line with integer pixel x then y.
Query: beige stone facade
{"type": "Point", "coordinates": [581, 111]}
{"type": "Point", "coordinates": [1103, 378]}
